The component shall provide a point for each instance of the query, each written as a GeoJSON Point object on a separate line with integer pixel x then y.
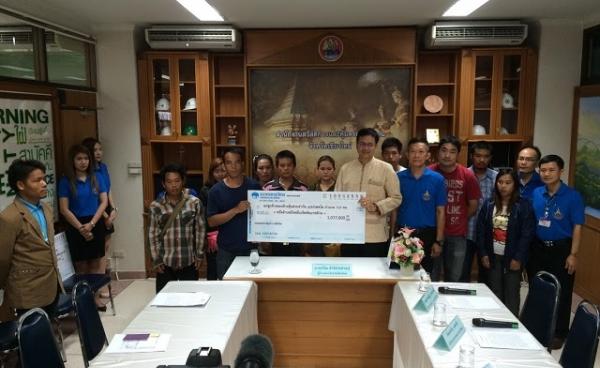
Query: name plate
{"type": "Point", "coordinates": [332, 269]}
{"type": "Point", "coordinates": [450, 336]}
{"type": "Point", "coordinates": [427, 300]}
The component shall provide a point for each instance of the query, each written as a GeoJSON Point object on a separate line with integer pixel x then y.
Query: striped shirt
{"type": "Point", "coordinates": [183, 242]}
{"type": "Point", "coordinates": [486, 186]}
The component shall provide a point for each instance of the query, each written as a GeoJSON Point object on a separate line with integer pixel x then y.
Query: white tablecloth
{"type": "Point", "coordinates": [414, 333]}
{"type": "Point", "coordinates": [301, 268]}
{"type": "Point", "coordinates": [228, 317]}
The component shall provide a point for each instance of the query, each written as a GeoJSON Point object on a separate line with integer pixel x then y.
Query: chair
{"type": "Point", "coordinates": [67, 272]}
{"type": "Point", "coordinates": [64, 307]}
{"type": "Point", "coordinates": [91, 332]}
{"type": "Point", "coordinates": [540, 308]}
{"type": "Point", "coordinates": [37, 345]}
{"type": "Point", "coordinates": [8, 339]}
{"type": "Point", "coordinates": [582, 341]}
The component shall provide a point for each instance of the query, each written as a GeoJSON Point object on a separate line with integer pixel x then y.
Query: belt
{"type": "Point", "coordinates": [552, 243]}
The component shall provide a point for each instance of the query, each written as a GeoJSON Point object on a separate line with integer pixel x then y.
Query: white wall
{"type": "Point", "coordinates": [119, 131]}
{"type": "Point", "coordinates": [559, 67]}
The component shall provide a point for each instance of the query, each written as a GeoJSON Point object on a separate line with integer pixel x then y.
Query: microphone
{"type": "Point", "coordinates": [482, 322]}
{"type": "Point", "coordinates": [256, 352]}
{"type": "Point", "coordinates": [449, 290]}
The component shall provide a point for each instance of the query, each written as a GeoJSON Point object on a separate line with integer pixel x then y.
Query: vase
{"type": "Point", "coordinates": [407, 270]}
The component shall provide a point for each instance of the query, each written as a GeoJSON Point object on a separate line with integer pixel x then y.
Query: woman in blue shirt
{"type": "Point", "coordinates": [82, 200]}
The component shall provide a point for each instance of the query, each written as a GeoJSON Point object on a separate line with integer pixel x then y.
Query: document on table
{"type": "Point", "coordinates": [196, 299]}
{"type": "Point", "coordinates": [471, 302]}
{"type": "Point", "coordinates": [154, 342]}
{"type": "Point", "coordinates": [518, 340]}
{"type": "Point", "coordinates": [306, 217]}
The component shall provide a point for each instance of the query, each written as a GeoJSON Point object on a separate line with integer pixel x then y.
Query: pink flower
{"type": "Point", "coordinates": [399, 250]}
{"type": "Point", "coordinates": [416, 258]}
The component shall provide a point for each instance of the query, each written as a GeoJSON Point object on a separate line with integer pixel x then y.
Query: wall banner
{"type": "Point", "coordinates": [26, 132]}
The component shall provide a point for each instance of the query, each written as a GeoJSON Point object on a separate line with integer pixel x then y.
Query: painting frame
{"type": "Point", "coordinates": [586, 110]}
{"type": "Point", "coordinates": [328, 102]}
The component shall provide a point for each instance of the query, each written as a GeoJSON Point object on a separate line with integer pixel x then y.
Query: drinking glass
{"type": "Point", "coordinates": [439, 315]}
{"type": "Point", "coordinates": [425, 282]}
{"type": "Point", "coordinates": [466, 358]}
{"type": "Point", "coordinates": [254, 260]}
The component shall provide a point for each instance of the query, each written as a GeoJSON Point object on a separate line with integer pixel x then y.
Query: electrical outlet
{"type": "Point", "coordinates": [118, 253]}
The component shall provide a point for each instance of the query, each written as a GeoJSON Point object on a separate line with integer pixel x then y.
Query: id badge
{"type": "Point", "coordinates": [544, 222]}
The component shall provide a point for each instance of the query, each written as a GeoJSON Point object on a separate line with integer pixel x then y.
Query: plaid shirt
{"type": "Point", "coordinates": [486, 186]}
{"type": "Point", "coordinates": [183, 242]}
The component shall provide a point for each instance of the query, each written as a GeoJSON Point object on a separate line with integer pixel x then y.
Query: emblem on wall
{"type": "Point", "coordinates": [331, 48]}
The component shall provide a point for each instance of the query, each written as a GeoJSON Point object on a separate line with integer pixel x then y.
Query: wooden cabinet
{"type": "Point", "coordinates": [174, 116]}
{"type": "Point", "coordinates": [435, 91]}
{"type": "Point", "coordinates": [229, 104]}
{"type": "Point", "coordinates": [497, 97]}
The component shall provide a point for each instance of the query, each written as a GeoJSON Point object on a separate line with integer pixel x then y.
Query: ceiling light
{"type": "Point", "coordinates": [201, 10]}
{"type": "Point", "coordinates": [462, 8]}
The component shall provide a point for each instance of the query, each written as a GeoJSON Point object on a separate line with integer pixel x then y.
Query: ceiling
{"type": "Point", "coordinates": [88, 16]}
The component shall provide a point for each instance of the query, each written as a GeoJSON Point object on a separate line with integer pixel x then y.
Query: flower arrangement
{"type": "Point", "coordinates": [405, 251]}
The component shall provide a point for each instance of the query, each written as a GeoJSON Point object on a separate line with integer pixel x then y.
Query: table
{"type": "Point", "coordinates": [414, 334]}
{"type": "Point", "coordinates": [324, 321]}
{"type": "Point", "coordinates": [227, 318]}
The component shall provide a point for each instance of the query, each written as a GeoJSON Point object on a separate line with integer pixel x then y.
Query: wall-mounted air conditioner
{"type": "Point", "coordinates": [475, 33]}
{"type": "Point", "coordinates": [213, 37]}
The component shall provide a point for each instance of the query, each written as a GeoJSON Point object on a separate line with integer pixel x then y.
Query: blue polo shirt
{"type": "Point", "coordinates": [533, 183]}
{"type": "Point", "coordinates": [564, 210]}
{"type": "Point", "coordinates": [233, 235]}
{"type": "Point", "coordinates": [420, 197]}
{"type": "Point", "coordinates": [102, 172]}
{"type": "Point", "coordinates": [37, 211]}
{"type": "Point", "coordinates": [86, 202]}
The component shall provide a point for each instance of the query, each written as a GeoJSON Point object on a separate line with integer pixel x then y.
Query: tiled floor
{"type": "Point", "coordinates": [135, 296]}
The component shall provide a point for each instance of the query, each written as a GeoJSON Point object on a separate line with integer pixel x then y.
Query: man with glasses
{"type": "Point", "coordinates": [559, 211]}
{"type": "Point", "coordinates": [529, 179]}
{"type": "Point", "coordinates": [379, 181]}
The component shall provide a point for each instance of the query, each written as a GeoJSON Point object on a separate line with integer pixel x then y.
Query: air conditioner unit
{"type": "Point", "coordinates": [475, 33]}
{"type": "Point", "coordinates": [218, 38]}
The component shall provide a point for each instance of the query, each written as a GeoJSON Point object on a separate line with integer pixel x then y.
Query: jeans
{"type": "Point", "coordinates": [171, 274]}
{"type": "Point", "coordinates": [225, 259]}
{"type": "Point", "coordinates": [506, 284]}
{"type": "Point", "coordinates": [472, 252]}
{"type": "Point", "coordinates": [454, 251]}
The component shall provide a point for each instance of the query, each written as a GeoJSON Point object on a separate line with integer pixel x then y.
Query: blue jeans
{"type": "Point", "coordinates": [455, 248]}
{"type": "Point", "coordinates": [225, 259]}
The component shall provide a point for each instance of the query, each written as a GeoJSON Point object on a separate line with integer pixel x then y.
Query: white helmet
{"type": "Point", "coordinates": [479, 130]}
{"type": "Point", "coordinates": [163, 104]}
{"type": "Point", "coordinates": [190, 104]}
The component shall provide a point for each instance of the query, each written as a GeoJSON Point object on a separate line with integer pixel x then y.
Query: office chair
{"type": "Point", "coordinates": [541, 306]}
{"type": "Point", "coordinates": [91, 332]}
{"type": "Point", "coordinates": [582, 342]}
{"type": "Point", "coordinates": [37, 345]}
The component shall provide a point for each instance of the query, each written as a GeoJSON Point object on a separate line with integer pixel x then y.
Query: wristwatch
{"type": "Point", "coordinates": [439, 242]}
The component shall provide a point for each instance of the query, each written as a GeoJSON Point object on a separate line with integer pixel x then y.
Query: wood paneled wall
{"type": "Point", "coordinates": [588, 272]}
{"type": "Point", "coordinates": [299, 47]}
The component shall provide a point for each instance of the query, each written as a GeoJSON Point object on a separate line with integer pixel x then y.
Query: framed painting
{"type": "Point", "coordinates": [317, 111]}
{"type": "Point", "coordinates": [585, 148]}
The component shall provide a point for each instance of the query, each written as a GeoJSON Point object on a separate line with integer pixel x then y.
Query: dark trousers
{"type": "Point", "coordinates": [432, 265]}
{"type": "Point", "coordinates": [552, 259]}
{"type": "Point", "coordinates": [172, 274]}
{"type": "Point", "coordinates": [506, 284]}
{"type": "Point", "coordinates": [286, 249]}
{"type": "Point", "coordinates": [468, 265]}
{"type": "Point", "coordinates": [225, 259]}
{"type": "Point", "coordinates": [365, 250]}
{"type": "Point", "coordinates": [211, 265]}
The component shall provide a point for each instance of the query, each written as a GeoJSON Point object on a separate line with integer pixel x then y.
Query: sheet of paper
{"type": "Point", "coordinates": [471, 302]}
{"type": "Point", "coordinates": [518, 340]}
{"type": "Point", "coordinates": [154, 343]}
{"type": "Point", "coordinates": [180, 299]}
